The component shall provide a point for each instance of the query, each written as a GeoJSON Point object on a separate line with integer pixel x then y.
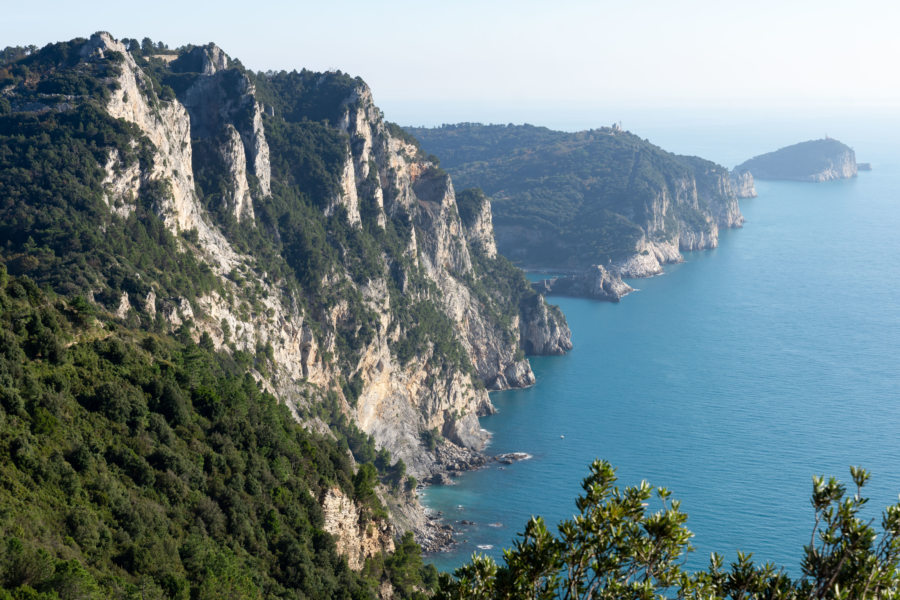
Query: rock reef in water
{"type": "Point", "coordinates": [815, 160]}
{"type": "Point", "coordinates": [596, 283]}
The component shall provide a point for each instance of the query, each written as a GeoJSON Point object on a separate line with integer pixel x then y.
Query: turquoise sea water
{"type": "Point", "coordinates": [731, 379]}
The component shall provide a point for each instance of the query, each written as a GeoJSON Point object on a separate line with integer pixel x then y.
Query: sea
{"type": "Point", "coordinates": [733, 378]}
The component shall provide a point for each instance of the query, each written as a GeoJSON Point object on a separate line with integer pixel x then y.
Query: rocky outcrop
{"type": "Point", "coordinates": [815, 161]}
{"type": "Point", "coordinates": [356, 537]}
{"type": "Point", "coordinates": [595, 282]}
{"type": "Point", "coordinates": [122, 183]}
{"type": "Point", "coordinates": [742, 184]}
{"type": "Point", "coordinates": [225, 114]}
{"type": "Point", "coordinates": [398, 403]}
{"type": "Point", "coordinates": [542, 328]}
{"type": "Point", "coordinates": [167, 127]}
{"type": "Point", "coordinates": [475, 212]}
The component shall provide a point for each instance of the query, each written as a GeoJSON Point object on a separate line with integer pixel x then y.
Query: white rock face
{"type": "Point", "coordinates": [354, 541]}
{"type": "Point", "coordinates": [399, 402]}
{"type": "Point", "coordinates": [260, 152]}
{"type": "Point", "coordinates": [236, 163]}
{"type": "Point", "coordinates": [542, 333]}
{"type": "Point", "coordinates": [649, 259]}
{"type": "Point", "coordinates": [694, 238]}
{"type": "Point", "coordinates": [480, 230]}
{"type": "Point", "coordinates": [743, 185]}
{"type": "Point", "coordinates": [124, 306]}
{"type": "Point", "coordinates": [122, 184]}
{"type": "Point", "coordinates": [347, 197]}
{"type": "Point", "coordinates": [167, 126]}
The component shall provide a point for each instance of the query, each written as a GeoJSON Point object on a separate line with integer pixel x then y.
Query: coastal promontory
{"type": "Point", "coordinates": [564, 202]}
{"type": "Point", "coordinates": [815, 160]}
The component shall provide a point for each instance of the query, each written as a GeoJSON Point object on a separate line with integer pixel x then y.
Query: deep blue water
{"type": "Point", "coordinates": [731, 379]}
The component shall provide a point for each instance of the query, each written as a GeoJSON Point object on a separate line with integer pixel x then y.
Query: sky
{"type": "Point", "coordinates": [503, 61]}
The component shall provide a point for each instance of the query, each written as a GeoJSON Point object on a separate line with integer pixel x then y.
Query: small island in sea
{"type": "Point", "coordinates": [815, 160]}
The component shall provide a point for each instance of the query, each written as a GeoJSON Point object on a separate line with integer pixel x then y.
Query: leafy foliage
{"type": "Point", "coordinates": [55, 224]}
{"type": "Point", "coordinates": [307, 95]}
{"type": "Point", "coordinates": [615, 549]}
{"type": "Point", "coordinates": [141, 465]}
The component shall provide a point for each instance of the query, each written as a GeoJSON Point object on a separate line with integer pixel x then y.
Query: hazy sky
{"type": "Point", "coordinates": [422, 57]}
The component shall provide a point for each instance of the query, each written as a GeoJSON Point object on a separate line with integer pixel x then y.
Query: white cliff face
{"type": "Point", "coordinates": [356, 538]}
{"type": "Point", "coordinates": [700, 206]}
{"type": "Point", "coordinates": [479, 227]}
{"type": "Point", "coordinates": [398, 403]}
{"type": "Point", "coordinates": [122, 184]}
{"type": "Point", "coordinates": [236, 163]}
{"type": "Point", "coordinates": [222, 102]}
{"type": "Point", "coordinates": [842, 166]}
{"type": "Point", "coordinates": [649, 258]}
{"type": "Point", "coordinates": [691, 237]}
{"type": "Point", "coordinates": [347, 196]}
{"type": "Point", "coordinates": [543, 332]}
{"type": "Point", "coordinates": [743, 185]}
{"type": "Point", "coordinates": [716, 189]}
{"type": "Point", "coordinates": [264, 318]}
{"type": "Point", "coordinates": [167, 126]}
{"type": "Point", "coordinates": [260, 152]}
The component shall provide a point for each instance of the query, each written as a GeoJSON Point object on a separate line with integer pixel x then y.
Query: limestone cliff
{"type": "Point", "coordinates": [542, 329]}
{"type": "Point", "coordinates": [334, 258]}
{"type": "Point", "coordinates": [357, 538]}
{"type": "Point", "coordinates": [743, 185]}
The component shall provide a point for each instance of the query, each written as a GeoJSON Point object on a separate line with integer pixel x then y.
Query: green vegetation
{"type": "Point", "coordinates": [306, 95]}
{"type": "Point", "coordinates": [148, 466]}
{"type": "Point", "coordinates": [55, 224]}
{"type": "Point", "coordinates": [563, 200]}
{"type": "Point", "coordinates": [56, 73]}
{"type": "Point", "coordinates": [614, 548]}
{"type": "Point", "coordinates": [803, 161]}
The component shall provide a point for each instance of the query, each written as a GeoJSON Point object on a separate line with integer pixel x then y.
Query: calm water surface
{"type": "Point", "coordinates": [730, 380]}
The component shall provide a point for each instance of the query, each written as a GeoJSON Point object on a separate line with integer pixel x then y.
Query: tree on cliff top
{"type": "Point", "coordinates": [615, 549]}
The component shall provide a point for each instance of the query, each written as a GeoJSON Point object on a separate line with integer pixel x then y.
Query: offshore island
{"type": "Point", "coordinates": [815, 160]}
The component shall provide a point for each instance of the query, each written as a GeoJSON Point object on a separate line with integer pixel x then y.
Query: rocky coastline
{"type": "Point", "coordinates": [596, 283]}
{"type": "Point", "coordinates": [435, 532]}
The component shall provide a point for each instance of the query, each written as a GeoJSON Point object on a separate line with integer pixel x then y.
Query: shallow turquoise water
{"type": "Point", "coordinates": [730, 380]}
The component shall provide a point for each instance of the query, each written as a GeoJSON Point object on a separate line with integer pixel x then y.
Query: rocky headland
{"type": "Point", "coordinates": [568, 202]}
